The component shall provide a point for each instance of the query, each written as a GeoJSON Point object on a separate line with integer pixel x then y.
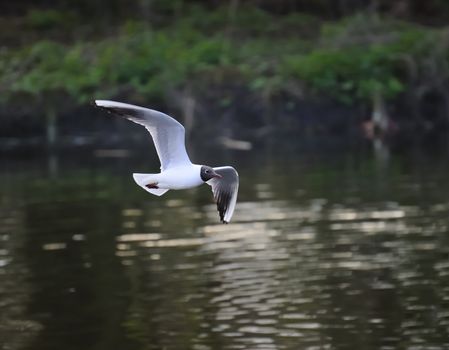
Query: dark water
{"type": "Point", "coordinates": [340, 249]}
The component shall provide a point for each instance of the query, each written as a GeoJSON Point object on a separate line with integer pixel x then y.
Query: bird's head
{"type": "Point", "coordinates": [208, 173]}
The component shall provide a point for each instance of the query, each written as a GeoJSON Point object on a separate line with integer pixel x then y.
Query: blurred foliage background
{"type": "Point", "coordinates": [59, 55]}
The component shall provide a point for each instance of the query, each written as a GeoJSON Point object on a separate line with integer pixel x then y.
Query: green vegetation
{"type": "Point", "coordinates": [359, 64]}
{"type": "Point", "coordinates": [352, 59]}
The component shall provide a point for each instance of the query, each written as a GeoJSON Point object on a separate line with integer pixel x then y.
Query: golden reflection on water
{"type": "Point", "coordinates": [318, 266]}
{"type": "Point", "coordinates": [17, 330]}
{"type": "Point", "coordinates": [273, 267]}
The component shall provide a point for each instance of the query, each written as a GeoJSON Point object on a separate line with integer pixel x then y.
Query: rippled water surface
{"type": "Point", "coordinates": [342, 250]}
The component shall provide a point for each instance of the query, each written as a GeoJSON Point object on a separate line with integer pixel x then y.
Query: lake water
{"type": "Point", "coordinates": [339, 249]}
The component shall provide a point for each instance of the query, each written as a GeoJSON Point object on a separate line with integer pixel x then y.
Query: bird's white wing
{"type": "Point", "coordinates": [168, 134]}
{"type": "Point", "coordinates": [225, 191]}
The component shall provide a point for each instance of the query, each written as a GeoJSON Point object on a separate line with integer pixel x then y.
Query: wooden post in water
{"type": "Point", "coordinates": [51, 130]}
{"type": "Point", "coordinates": [379, 115]}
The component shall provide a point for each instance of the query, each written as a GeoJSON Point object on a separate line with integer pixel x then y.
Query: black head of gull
{"type": "Point", "coordinates": [207, 173]}
{"type": "Point", "coordinates": [177, 171]}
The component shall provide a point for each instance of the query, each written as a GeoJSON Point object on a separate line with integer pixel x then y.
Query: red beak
{"type": "Point", "coordinates": [218, 176]}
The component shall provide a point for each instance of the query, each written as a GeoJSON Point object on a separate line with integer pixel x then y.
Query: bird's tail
{"type": "Point", "coordinates": [145, 180]}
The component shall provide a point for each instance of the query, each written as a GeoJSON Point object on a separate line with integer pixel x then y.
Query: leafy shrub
{"type": "Point", "coordinates": [348, 74]}
{"type": "Point", "coordinates": [362, 64]}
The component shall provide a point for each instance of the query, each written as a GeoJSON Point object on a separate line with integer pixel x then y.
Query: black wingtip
{"type": "Point", "coordinates": [103, 108]}
{"type": "Point", "coordinates": [121, 112]}
{"type": "Point", "coordinates": [94, 104]}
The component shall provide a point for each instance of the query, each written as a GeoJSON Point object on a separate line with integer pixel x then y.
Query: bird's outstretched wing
{"type": "Point", "coordinates": [225, 191]}
{"type": "Point", "coordinates": [168, 134]}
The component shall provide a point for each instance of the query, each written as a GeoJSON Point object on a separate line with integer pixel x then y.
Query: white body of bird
{"type": "Point", "coordinates": [177, 178]}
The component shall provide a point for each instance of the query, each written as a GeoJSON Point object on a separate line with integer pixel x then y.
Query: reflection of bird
{"type": "Point", "coordinates": [177, 171]}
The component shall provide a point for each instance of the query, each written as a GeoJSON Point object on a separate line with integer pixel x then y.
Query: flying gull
{"type": "Point", "coordinates": [177, 171]}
